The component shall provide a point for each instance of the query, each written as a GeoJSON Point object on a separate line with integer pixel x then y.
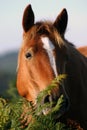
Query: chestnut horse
{"type": "Point", "coordinates": [45, 53]}
{"type": "Point", "coordinates": [83, 50]}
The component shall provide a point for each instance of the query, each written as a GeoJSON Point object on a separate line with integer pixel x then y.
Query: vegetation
{"type": "Point", "coordinates": [23, 114]}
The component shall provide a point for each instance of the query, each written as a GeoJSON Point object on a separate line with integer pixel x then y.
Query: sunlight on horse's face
{"type": "Point", "coordinates": [38, 57]}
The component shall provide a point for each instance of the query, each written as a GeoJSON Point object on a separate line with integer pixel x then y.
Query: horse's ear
{"type": "Point", "coordinates": [28, 18]}
{"type": "Point", "coordinates": [61, 22]}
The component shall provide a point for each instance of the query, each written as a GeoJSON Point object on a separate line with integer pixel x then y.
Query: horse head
{"type": "Point", "coordinates": [38, 61]}
{"type": "Point", "coordinates": [45, 53]}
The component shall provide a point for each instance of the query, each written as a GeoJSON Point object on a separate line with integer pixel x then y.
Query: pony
{"type": "Point", "coordinates": [45, 53]}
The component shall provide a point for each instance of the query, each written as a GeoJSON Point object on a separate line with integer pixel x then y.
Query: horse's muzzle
{"type": "Point", "coordinates": [58, 105]}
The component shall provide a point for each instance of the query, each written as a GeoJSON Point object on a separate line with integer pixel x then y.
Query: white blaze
{"type": "Point", "coordinates": [49, 47]}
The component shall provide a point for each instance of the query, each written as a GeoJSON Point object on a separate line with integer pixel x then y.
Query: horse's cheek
{"type": "Point", "coordinates": [21, 83]}
{"type": "Point", "coordinates": [20, 88]}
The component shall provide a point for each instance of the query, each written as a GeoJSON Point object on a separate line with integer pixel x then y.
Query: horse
{"type": "Point", "coordinates": [46, 53]}
{"type": "Point", "coordinates": [83, 50]}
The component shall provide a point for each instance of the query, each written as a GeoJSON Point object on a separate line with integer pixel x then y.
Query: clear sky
{"type": "Point", "coordinates": [11, 12]}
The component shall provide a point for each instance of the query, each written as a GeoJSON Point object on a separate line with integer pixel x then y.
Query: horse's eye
{"type": "Point", "coordinates": [28, 55]}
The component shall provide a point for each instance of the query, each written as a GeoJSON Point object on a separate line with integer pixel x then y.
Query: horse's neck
{"type": "Point", "coordinates": [76, 70]}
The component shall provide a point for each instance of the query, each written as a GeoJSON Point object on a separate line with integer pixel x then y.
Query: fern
{"type": "Point", "coordinates": [11, 112]}
{"type": "Point", "coordinates": [58, 80]}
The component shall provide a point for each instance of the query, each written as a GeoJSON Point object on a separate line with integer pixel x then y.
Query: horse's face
{"type": "Point", "coordinates": [35, 66]}
{"type": "Point", "coordinates": [42, 55]}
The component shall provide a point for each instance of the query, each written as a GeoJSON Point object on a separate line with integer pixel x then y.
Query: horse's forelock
{"type": "Point", "coordinates": [47, 28]}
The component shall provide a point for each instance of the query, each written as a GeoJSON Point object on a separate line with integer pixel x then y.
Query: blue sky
{"type": "Point", "coordinates": [11, 17]}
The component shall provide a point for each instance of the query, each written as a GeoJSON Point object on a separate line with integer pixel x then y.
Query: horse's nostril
{"type": "Point", "coordinates": [48, 99]}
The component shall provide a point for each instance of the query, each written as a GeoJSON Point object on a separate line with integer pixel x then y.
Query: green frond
{"type": "Point", "coordinates": [11, 112]}
{"type": "Point", "coordinates": [58, 80]}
